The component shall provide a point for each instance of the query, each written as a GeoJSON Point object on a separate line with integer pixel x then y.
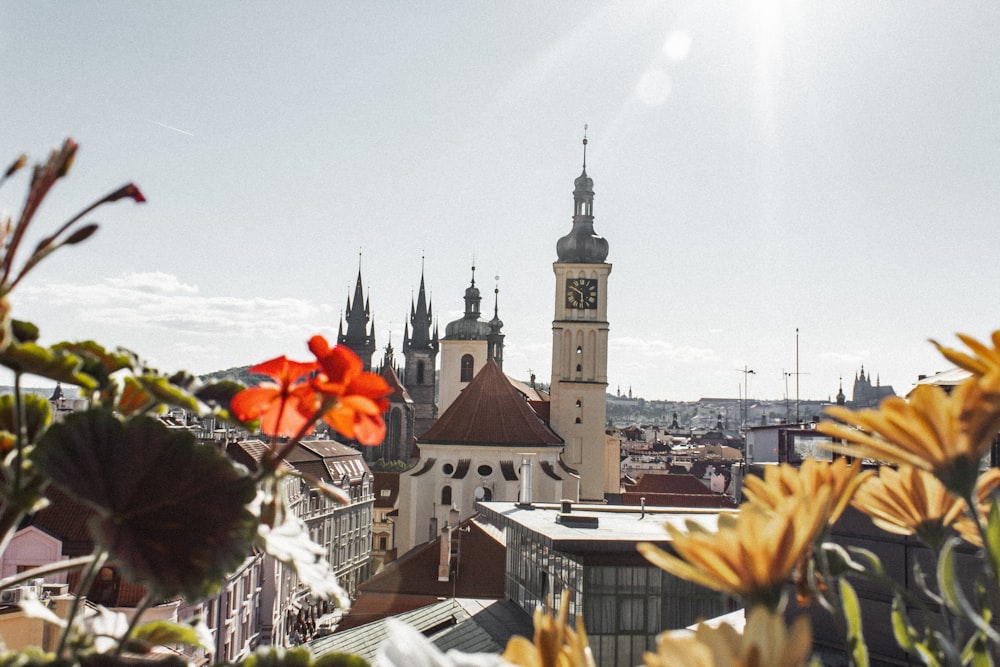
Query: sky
{"type": "Point", "coordinates": [800, 189]}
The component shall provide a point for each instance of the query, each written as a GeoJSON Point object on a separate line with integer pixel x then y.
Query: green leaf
{"type": "Point", "coordinates": [952, 592]}
{"type": "Point", "coordinates": [164, 392]}
{"type": "Point", "coordinates": [37, 414]}
{"type": "Point", "coordinates": [977, 653]}
{"type": "Point", "coordinates": [993, 539]}
{"type": "Point", "coordinates": [165, 633]}
{"type": "Point", "coordinates": [901, 628]}
{"type": "Point", "coordinates": [852, 615]}
{"type": "Point", "coordinates": [173, 512]}
{"type": "Point", "coordinates": [24, 332]}
{"type": "Point", "coordinates": [300, 657]}
{"type": "Point", "coordinates": [54, 364]}
{"type": "Point", "coordinates": [98, 362]}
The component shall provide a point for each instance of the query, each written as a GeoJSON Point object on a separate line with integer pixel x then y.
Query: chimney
{"type": "Point", "coordinates": [444, 562]}
{"type": "Point", "coordinates": [524, 492]}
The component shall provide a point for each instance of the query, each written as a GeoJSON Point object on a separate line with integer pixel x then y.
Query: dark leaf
{"type": "Point", "coordinates": [173, 512]}
{"type": "Point", "coordinates": [24, 332]}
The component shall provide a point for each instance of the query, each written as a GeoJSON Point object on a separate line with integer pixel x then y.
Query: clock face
{"type": "Point", "coordinates": [581, 293]}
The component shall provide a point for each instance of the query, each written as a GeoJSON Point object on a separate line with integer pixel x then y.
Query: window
{"type": "Point", "coordinates": [420, 372]}
{"type": "Point", "coordinates": [446, 496]}
{"type": "Point", "coordinates": [484, 470]}
{"type": "Point", "coordinates": [447, 468]}
{"type": "Point", "coordinates": [467, 364]}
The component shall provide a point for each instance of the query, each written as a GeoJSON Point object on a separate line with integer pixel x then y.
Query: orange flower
{"type": "Point", "coordinates": [359, 398]}
{"type": "Point", "coordinates": [285, 406]}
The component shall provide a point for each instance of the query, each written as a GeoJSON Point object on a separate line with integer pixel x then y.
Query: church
{"type": "Point", "coordinates": [488, 436]}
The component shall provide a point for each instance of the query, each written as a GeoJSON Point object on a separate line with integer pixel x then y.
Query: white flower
{"type": "Point", "coordinates": [408, 648]}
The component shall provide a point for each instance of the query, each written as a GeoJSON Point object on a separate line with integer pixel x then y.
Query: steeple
{"type": "Point", "coordinates": [421, 318]}
{"type": "Point", "coordinates": [494, 340]}
{"type": "Point", "coordinates": [360, 338]}
{"type": "Point", "coordinates": [420, 350]}
{"type": "Point", "coordinates": [582, 245]}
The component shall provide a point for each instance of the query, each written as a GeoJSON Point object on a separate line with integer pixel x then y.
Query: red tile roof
{"type": "Point", "coordinates": [411, 582]}
{"type": "Point", "coordinates": [490, 411]}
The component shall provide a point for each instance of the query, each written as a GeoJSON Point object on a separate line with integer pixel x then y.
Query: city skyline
{"type": "Point", "coordinates": [787, 188]}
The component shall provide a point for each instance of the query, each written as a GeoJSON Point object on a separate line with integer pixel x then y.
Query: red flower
{"type": "Point", "coordinates": [360, 396]}
{"type": "Point", "coordinates": [283, 408]}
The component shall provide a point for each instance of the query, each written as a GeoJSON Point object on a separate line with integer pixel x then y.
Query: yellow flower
{"type": "Point", "coordinates": [765, 642]}
{"type": "Point", "coordinates": [986, 362]}
{"type": "Point", "coordinates": [945, 434]}
{"type": "Point", "coordinates": [752, 554]}
{"type": "Point", "coordinates": [910, 501]}
{"type": "Point", "coordinates": [555, 644]}
{"type": "Point", "coordinates": [784, 481]}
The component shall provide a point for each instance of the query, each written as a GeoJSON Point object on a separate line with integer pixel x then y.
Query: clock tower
{"type": "Point", "coordinates": [578, 410]}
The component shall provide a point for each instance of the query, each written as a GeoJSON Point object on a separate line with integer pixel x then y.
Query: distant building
{"type": "Point", "coordinates": [867, 395]}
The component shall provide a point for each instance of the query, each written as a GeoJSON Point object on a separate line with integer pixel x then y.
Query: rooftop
{"type": "Point", "coordinates": [619, 527]}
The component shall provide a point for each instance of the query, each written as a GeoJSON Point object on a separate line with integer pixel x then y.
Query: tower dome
{"type": "Point", "coordinates": [582, 245]}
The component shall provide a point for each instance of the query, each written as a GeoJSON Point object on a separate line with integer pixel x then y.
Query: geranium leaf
{"type": "Point", "coordinates": [165, 633]}
{"type": "Point", "coordinates": [53, 364]}
{"type": "Point", "coordinates": [173, 512]}
{"type": "Point", "coordinates": [162, 390]}
{"type": "Point", "coordinates": [37, 412]}
{"type": "Point", "coordinates": [25, 332]}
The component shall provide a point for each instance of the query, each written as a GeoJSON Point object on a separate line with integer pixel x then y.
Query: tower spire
{"type": "Point", "coordinates": [585, 147]}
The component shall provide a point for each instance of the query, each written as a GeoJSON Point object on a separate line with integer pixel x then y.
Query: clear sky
{"type": "Point", "coordinates": [759, 167]}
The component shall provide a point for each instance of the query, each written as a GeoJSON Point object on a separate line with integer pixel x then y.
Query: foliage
{"type": "Point", "coordinates": [177, 516]}
{"type": "Point", "coordinates": [389, 466]}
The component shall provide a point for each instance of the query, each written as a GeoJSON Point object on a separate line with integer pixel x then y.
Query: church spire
{"type": "Point", "coordinates": [494, 340]}
{"type": "Point", "coordinates": [359, 337]}
{"type": "Point", "coordinates": [420, 319]}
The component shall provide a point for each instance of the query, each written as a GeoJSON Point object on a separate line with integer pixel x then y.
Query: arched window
{"type": "Point", "coordinates": [467, 362]}
{"type": "Point", "coordinates": [446, 496]}
{"type": "Point", "coordinates": [420, 372]}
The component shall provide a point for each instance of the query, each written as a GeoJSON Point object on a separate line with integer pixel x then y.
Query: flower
{"type": "Point", "coordinates": [909, 501]}
{"type": "Point", "coordinates": [945, 434]}
{"type": "Point", "coordinates": [359, 398]}
{"type": "Point", "coordinates": [752, 554]}
{"type": "Point", "coordinates": [784, 481]}
{"type": "Point", "coordinates": [765, 642]}
{"type": "Point", "coordinates": [986, 362]}
{"type": "Point", "coordinates": [284, 407]}
{"type": "Point", "coordinates": [555, 643]}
